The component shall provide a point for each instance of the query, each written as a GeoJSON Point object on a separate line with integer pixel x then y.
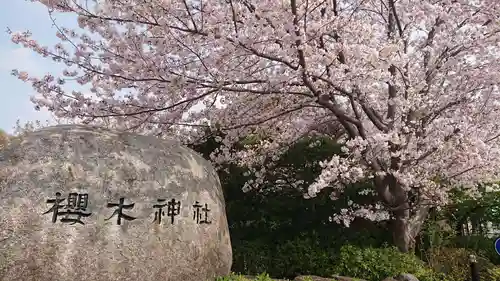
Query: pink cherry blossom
{"type": "Point", "coordinates": [413, 84]}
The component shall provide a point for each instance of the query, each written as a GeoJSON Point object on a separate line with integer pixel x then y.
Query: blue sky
{"type": "Point", "coordinates": [15, 94]}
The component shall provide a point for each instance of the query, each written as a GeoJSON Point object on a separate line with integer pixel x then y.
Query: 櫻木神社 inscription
{"type": "Point", "coordinates": [73, 208]}
{"type": "Point", "coordinates": [83, 203]}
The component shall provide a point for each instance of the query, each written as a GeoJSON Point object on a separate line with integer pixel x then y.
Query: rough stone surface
{"type": "Point", "coordinates": [406, 277]}
{"type": "Point", "coordinates": [108, 166]}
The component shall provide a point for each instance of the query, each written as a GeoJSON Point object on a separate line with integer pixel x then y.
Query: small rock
{"type": "Point", "coordinates": [406, 277]}
{"type": "Point", "coordinates": [311, 277]}
{"type": "Point", "coordinates": [343, 278]}
{"type": "Point", "coordinates": [252, 277]}
{"type": "Point", "coordinates": [318, 278]}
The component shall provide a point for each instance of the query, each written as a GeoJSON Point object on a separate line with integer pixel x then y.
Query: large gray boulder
{"type": "Point", "coordinates": [79, 203]}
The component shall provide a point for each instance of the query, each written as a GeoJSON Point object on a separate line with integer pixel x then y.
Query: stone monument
{"type": "Point", "coordinates": [79, 203]}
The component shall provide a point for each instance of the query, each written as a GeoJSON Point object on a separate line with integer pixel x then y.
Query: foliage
{"type": "Point", "coordinates": [375, 264]}
{"type": "Point", "coordinates": [479, 207]}
{"type": "Point", "coordinates": [450, 227]}
{"type": "Point", "coordinates": [483, 246]}
{"type": "Point", "coordinates": [437, 232]}
{"type": "Point", "coordinates": [454, 262]}
{"type": "Point", "coordinates": [307, 253]}
{"type": "Point", "coordinates": [284, 234]}
{"type": "Point", "coordinates": [494, 274]}
{"type": "Point", "coordinates": [4, 138]}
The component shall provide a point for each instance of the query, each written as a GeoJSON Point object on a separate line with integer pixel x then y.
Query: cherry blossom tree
{"type": "Point", "coordinates": [4, 138]}
{"type": "Point", "coordinates": [413, 84]}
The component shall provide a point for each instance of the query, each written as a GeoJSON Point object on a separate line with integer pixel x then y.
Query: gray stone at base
{"type": "Point", "coordinates": [107, 166]}
{"type": "Point", "coordinates": [406, 277]}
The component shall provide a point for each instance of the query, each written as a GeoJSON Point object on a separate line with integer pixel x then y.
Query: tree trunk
{"type": "Point", "coordinates": [406, 227]}
{"type": "Point", "coordinates": [473, 226]}
{"type": "Point", "coordinates": [408, 220]}
{"type": "Point", "coordinates": [459, 228]}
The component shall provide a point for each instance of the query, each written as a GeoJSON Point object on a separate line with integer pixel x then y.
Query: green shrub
{"type": "Point", "coordinates": [238, 277]}
{"type": "Point", "coordinates": [232, 277]}
{"type": "Point", "coordinates": [288, 236]}
{"type": "Point", "coordinates": [428, 274]}
{"type": "Point", "coordinates": [375, 264]}
{"type": "Point", "coordinates": [454, 262]}
{"type": "Point", "coordinates": [301, 255]}
{"type": "Point", "coordinates": [251, 257]}
{"type": "Point", "coordinates": [483, 246]}
{"type": "Point", "coordinates": [494, 274]}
